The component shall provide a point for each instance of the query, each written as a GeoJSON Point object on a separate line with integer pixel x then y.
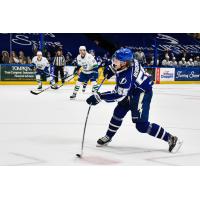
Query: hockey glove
{"type": "Point", "coordinates": [109, 72]}
{"type": "Point", "coordinates": [33, 66]}
{"type": "Point", "coordinates": [94, 99]}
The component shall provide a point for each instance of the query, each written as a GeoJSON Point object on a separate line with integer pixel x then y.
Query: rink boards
{"type": "Point", "coordinates": [24, 75]}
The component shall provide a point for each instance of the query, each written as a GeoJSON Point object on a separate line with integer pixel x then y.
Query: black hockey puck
{"type": "Point", "coordinates": [78, 155]}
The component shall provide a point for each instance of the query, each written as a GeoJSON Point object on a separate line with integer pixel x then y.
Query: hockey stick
{"type": "Point", "coordinates": [36, 92]}
{"type": "Point", "coordinates": [48, 74]}
{"type": "Point", "coordinates": [84, 130]}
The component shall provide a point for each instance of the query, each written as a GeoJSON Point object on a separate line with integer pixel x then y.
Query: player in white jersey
{"type": "Point", "coordinates": [42, 68]}
{"type": "Point", "coordinates": [89, 71]}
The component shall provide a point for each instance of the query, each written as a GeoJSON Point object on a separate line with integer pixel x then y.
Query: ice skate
{"type": "Point", "coordinates": [103, 141]}
{"type": "Point", "coordinates": [54, 86]}
{"type": "Point", "coordinates": [174, 144]}
{"type": "Point", "coordinates": [73, 96]}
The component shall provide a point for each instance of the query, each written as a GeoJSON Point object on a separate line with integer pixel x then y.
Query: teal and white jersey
{"type": "Point", "coordinates": [88, 63]}
{"type": "Point", "coordinates": [40, 64]}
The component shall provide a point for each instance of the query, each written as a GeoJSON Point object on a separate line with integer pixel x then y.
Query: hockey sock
{"type": "Point", "coordinates": [94, 86]}
{"type": "Point", "coordinates": [38, 78]}
{"type": "Point", "coordinates": [76, 89]}
{"type": "Point", "coordinates": [158, 132]}
{"type": "Point", "coordinates": [39, 83]}
{"type": "Point", "coordinates": [77, 86]}
{"type": "Point", "coordinates": [84, 85]}
{"type": "Point", "coordinates": [114, 125]}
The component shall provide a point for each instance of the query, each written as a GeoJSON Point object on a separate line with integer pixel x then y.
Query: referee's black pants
{"type": "Point", "coordinates": [61, 70]}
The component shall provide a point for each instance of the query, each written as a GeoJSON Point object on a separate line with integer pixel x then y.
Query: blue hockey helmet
{"type": "Point", "coordinates": [123, 55]}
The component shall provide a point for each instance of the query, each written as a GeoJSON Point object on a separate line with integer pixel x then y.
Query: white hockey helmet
{"type": "Point", "coordinates": [82, 48]}
{"type": "Point", "coordinates": [39, 53]}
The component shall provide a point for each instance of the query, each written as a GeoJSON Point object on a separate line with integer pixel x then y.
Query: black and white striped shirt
{"type": "Point", "coordinates": [59, 61]}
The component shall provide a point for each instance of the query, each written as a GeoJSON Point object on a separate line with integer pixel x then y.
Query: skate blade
{"type": "Point", "coordinates": [54, 88]}
{"type": "Point", "coordinates": [177, 147]}
{"type": "Point", "coordinates": [36, 92]}
{"type": "Point", "coordinates": [102, 145]}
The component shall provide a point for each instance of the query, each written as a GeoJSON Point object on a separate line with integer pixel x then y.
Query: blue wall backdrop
{"type": "Point", "coordinates": [101, 42]}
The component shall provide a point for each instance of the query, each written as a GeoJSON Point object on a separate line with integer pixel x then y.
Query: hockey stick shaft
{"type": "Point", "coordinates": [67, 80]}
{"type": "Point", "coordinates": [88, 112]}
{"type": "Point", "coordinates": [48, 74]}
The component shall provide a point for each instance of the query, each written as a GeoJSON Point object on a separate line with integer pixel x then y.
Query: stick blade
{"type": "Point", "coordinates": [78, 155]}
{"type": "Point", "coordinates": [35, 92]}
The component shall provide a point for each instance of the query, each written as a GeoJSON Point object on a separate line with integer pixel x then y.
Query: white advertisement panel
{"type": "Point", "coordinates": [167, 74]}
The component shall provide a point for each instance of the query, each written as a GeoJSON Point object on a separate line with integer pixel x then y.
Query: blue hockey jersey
{"type": "Point", "coordinates": [127, 80]}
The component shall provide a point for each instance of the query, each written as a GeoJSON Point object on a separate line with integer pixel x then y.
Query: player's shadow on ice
{"type": "Point", "coordinates": [125, 150]}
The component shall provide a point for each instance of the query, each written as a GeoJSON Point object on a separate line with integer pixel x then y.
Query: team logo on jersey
{"type": "Point", "coordinates": [123, 81]}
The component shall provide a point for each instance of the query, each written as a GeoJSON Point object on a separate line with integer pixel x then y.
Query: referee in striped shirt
{"type": "Point", "coordinates": [59, 63]}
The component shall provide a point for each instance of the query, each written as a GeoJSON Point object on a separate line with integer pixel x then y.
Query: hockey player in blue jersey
{"type": "Point", "coordinates": [133, 92]}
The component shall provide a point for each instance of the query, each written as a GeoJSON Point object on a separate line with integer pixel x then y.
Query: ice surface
{"type": "Point", "coordinates": [47, 129]}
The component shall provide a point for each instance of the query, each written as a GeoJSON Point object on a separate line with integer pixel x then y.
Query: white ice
{"type": "Point", "coordinates": [47, 129]}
